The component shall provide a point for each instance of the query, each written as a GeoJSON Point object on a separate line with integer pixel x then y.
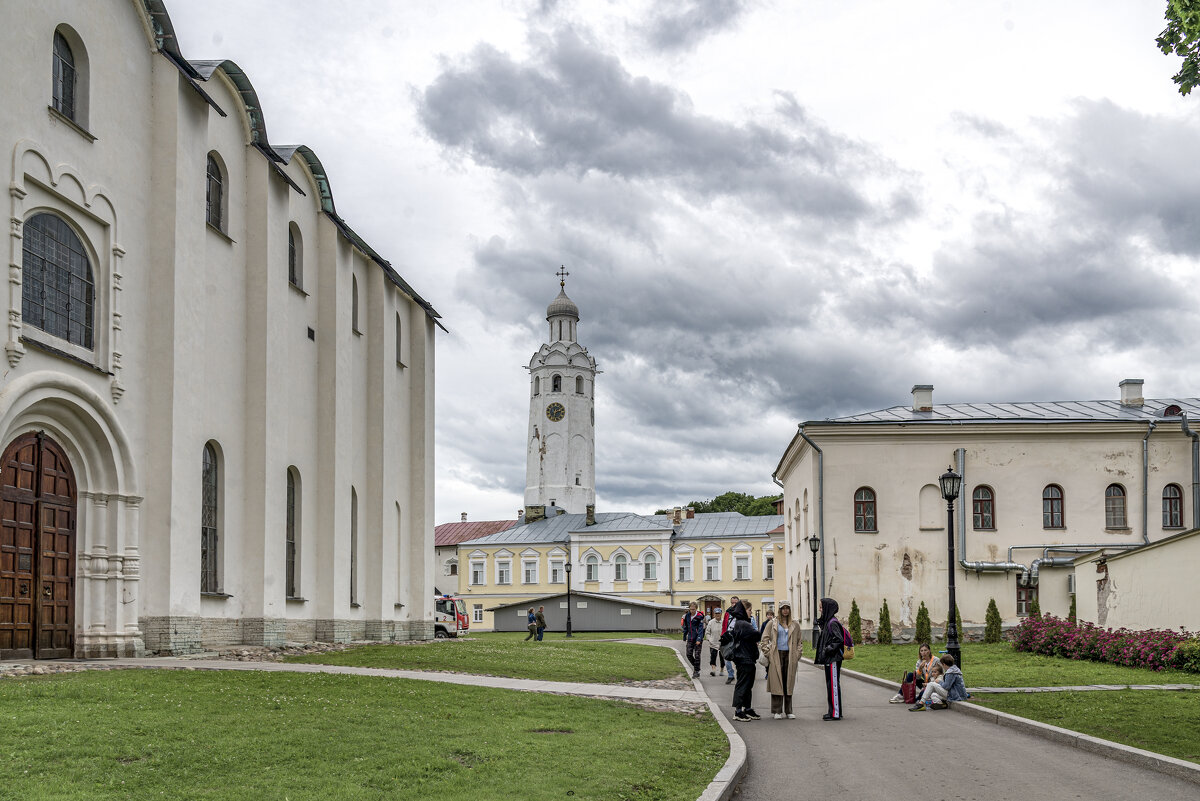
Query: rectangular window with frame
{"type": "Point", "coordinates": [770, 568]}
{"type": "Point", "coordinates": [712, 568]}
{"type": "Point", "coordinates": [742, 568]}
{"type": "Point", "coordinates": [685, 569]}
{"type": "Point", "coordinates": [478, 573]}
{"type": "Point", "coordinates": [529, 572]}
{"type": "Point", "coordinates": [556, 572]}
{"type": "Point", "coordinates": [477, 613]}
{"type": "Point", "coordinates": [504, 572]}
{"type": "Point", "coordinates": [1025, 598]}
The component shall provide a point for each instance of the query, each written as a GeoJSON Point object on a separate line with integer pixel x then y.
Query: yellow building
{"type": "Point", "coordinates": [672, 559]}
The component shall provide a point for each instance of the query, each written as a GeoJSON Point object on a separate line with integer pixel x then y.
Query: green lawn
{"type": "Point", "coordinates": [1001, 666]}
{"type": "Point", "coordinates": [1166, 722]}
{"type": "Point", "coordinates": [142, 734]}
{"type": "Point", "coordinates": [507, 655]}
{"type": "Point", "coordinates": [578, 635]}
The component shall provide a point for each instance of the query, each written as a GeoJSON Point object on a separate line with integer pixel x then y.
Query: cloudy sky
{"type": "Point", "coordinates": [772, 211]}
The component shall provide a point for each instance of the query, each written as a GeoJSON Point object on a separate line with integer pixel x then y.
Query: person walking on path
{"type": "Point", "coordinates": [694, 637]}
{"type": "Point", "coordinates": [781, 643]}
{"type": "Point", "coordinates": [744, 637]}
{"type": "Point", "coordinates": [712, 638]}
{"type": "Point", "coordinates": [532, 624]}
{"type": "Point", "coordinates": [540, 620]}
{"type": "Point", "coordinates": [830, 650]}
{"type": "Point", "coordinates": [725, 627]}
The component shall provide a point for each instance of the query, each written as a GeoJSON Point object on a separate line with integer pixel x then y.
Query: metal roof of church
{"type": "Point", "coordinates": [454, 533]}
{"type": "Point", "coordinates": [1026, 412]}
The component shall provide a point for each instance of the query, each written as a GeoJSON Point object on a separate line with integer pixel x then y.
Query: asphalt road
{"type": "Point", "coordinates": [882, 751]}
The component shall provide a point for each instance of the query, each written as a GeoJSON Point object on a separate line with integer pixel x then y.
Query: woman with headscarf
{"type": "Point", "coordinates": [829, 653]}
{"type": "Point", "coordinates": [781, 644]}
{"type": "Point", "coordinates": [745, 637]}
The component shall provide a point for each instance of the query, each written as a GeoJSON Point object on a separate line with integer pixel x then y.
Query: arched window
{"type": "Point", "coordinates": [592, 568]}
{"type": "Point", "coordinates": [650, 567]}
{"type": "Point", "coordinates": [210, 499]}
{"type": "Point", "coordinates": [578, 385]}
{"type": "Point", "coordinates": [864, 509]}
{"type": "Point", "coordinates": [353, 547]}
{"type": "Point", "coordinates": [620, 568]}
{"type": "Point", "coordinates": [983, 508]}
{"type": "Point", "coordinates": [64, 77]}
{"type": "Point", "coordinates": [57, 289]}
{"type": "Point", "coordinates": [1172, 506]}
{"type": "Point", "coordinates": [295, 257]}
{"type": "Point", "coordinates": [1052, 506]}
{"type": "Point", "coordinates": [556, 383]}
{"type": "Point", "coordinates": [1114, 507]}
{"type": "Point", "coordinates": [292, 586]}
{"type": "Point", "coordinates": [537, 385]}
{"type": "Point", "coordinates": [214, 194]}
{"type": "Point", "coordinates": [354, 304]}
{"type": "Point", "coordinates": [399, 341]}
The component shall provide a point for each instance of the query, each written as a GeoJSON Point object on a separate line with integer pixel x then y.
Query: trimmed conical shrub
{"type": "Point", "coordinates": [1035, 609]}
{"type": "Point", "coordinates": [957, 624]}
{"type": "Point", "coordinates": [924, 635]}
{"type": "Point", "coordinates": [991, 632]}
{"type": "Point", "coordinates": [854, 622]}
{"type": "Point", "coordinates": [885, 625]}
{"type": "Point", "coordinates": [1071, 614]}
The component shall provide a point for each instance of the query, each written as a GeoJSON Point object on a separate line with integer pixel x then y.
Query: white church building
{"type": "Point", "coordinates": [216, 412]}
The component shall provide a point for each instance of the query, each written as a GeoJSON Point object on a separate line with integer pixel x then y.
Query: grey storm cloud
{"type": "Point", "coordinates": [573, 108]}
{"type": "Point", "coordinates": [681, 26]}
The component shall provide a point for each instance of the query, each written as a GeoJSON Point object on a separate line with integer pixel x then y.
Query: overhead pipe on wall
{"type": "Point", "coordinates": [820, 504]}
{"type": "Point", "coordinates": [960, 459]}
{"type": "Point", "coordinates": [1183, 419]}
{"type": "Point", "coordinates": [1146, 482]}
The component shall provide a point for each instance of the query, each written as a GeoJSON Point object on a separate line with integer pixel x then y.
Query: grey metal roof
{"type": "Point", "coordinates": [617, 599]}
{"type": "Point", "coordinates": [630, 522]}
{"type": "Point", "coordinates": [1026, 412]}
{"type": "Point", "coordinates": [727, 524]}
{"type": "Point", "coordinates": [555, 528]}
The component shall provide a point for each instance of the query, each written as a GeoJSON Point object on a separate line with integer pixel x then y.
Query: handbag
{"type": "Point", "coordinates": [908, 690]}
{"type": "Point", "coordinates": [848, 642]}
{"type": "Point", "coordinates": [728, 648]}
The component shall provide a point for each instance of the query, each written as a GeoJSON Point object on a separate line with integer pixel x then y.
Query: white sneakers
{"type": "Point", "coordinates": [790, 716]}
{"type": "Point", "coordinates": [777, 716]}
{"type": "Point", "coordinates": [896, 699]}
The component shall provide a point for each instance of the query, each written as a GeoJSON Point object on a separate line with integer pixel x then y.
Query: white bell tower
{"type": "Point", "coordinates": [561, 455]}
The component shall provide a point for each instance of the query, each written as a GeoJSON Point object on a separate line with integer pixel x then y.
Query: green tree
{"type": "Point", "coordinates": [957, 623]}
{"type": "Point", "coordinates": [1181, 37]}
{"type": "Point", "coordinates": [885, 625]}
{"type": "Point", "coordinates": [924, 635]}
{"type": "Point", "coordinates": [733, 502]}
{"type": "Point", "coordinates": [854, 622]}
{"type": "Point", "coordinates": [991, 632]}
{"type": "Point", "coordinates": [1071, 613]}
{"type": "Point", "coordinates": [1035, 609]}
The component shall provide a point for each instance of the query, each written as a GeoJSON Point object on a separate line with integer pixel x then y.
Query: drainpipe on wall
{"type": "Point", "coordinates": [960, 460]}
{"type": "Point", "coordinates": [1146, 482]}
{"type": "Point", "coordinates": [1183, 418]}
{"type": "Point", "coordinates": [820, 504]}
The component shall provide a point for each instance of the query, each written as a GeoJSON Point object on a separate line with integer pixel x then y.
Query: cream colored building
{"type": "Point", "coordinates": [1151, 587]}
{"type": "Point", "coordinates": [670, 559]}
{"type": "Point", "coordinates": [217, 408]}
{"type": "Point", "coordinates": [1042, 484]}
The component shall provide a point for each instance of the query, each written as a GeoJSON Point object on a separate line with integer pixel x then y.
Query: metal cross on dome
{"type": "Point", "coordinates": [562, 276]}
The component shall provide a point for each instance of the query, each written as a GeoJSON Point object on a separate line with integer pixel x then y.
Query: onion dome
{"type": "Point", "coordinates": [562, 305]}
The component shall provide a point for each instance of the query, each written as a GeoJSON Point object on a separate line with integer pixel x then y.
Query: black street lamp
{"type": "Point", "coordinates": [814, 545]}
{"type": "Point", "coordinates": [951, 484]}
{"type": "Point", "coordinates": [568, 567]}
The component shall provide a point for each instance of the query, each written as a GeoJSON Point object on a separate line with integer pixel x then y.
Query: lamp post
{"type": "Point", "coordinates": [568, 569]}
{"type": "Point", "coordinates": [951, 484]}
{"type": "Point", "coordinates": [814, 545]}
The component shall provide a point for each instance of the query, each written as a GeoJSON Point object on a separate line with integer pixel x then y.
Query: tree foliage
{"type": "Point", "coordinates": [991, 632]}
{"type": "Point", "coordinates": [957, 624]}
{"type": "Point", "coordinates": [1035, 609]}
{"type": "Point", "coordinates": [1182, 38]}
{"type": "Point", "coordinates": [1071, 614]}
{"type": "Point", "coordinates": [885, 625]}
{"type": "Point", "coordinates": [748, 505]}
{"type": "Point", "coordinates": [855, 622]}
{"type": "Point", "coordinates": [924, 633]}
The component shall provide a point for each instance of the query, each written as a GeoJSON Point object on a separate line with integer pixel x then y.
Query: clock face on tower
{"type": "Point", "coordinates": [556, 411]}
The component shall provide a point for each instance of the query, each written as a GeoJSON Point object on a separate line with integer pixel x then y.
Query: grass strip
{"type": "Point", "coordinates": [142, 734]}
{"type": "Point", "coordinates": [1000, 665]}
{"type": "Point", "coordinates": [1164, 721]}
{"type": "Point", "coordinates": [549, 660]}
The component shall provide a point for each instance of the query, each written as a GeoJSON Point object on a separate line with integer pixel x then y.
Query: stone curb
{"type": "Point", "coordinates": [1179, 768]}
{"type": "Point", "coordinates": [730, 775]}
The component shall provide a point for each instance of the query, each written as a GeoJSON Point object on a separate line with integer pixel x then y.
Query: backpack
{"type": "Point", "coordinates": [848, 642]}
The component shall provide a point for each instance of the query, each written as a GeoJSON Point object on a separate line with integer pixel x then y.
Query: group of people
{"type": "Point", "coordinates": [740, 645]}
{"type": "Point", "coordinates": [537, 624]}
{"type": "Point", "coordinates": [935, 682]}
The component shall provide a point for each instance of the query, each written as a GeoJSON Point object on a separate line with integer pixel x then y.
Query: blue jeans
{"type": "Point", "coordinates": [729, 668]}
{"type": "Point", "coordinates": [539, 634]}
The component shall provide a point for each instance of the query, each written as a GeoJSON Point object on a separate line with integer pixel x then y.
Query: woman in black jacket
{"type": "Point", "coordinates": [745, 637]}
{"type": "Point", "coordinates": [829, 654]}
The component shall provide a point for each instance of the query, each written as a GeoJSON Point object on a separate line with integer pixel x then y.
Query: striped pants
{"type": "Point", "coordinates": [833, 689]}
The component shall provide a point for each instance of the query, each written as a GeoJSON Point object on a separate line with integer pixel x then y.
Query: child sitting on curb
{"type": "Point", "coordinates": [949, 687]}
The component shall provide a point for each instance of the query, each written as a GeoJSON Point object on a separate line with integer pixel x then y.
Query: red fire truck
{"type": "Point", "coordinates": [449, 617]}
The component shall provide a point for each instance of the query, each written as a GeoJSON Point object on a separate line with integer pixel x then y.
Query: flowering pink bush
{"type": "Point", "coordinates": [1155, 649]}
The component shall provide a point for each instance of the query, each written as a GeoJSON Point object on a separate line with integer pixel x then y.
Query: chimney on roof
{"type": "Point", "coordinates": [677, 515]}
{"type": "Point", "coordinates": [591, 515]}
{"type": "Point", "coordinates": [691, 512]}
{"type": "Point", "coordinates": [922, 397]}
{"type": "Point", "coordinates": [1131, 392]}
{"type": "Point", "coordinates": [520, 513]}
{"type": "Point", "coordinates": [535, 513]}
{"type": "Point", "coordinates": [464, 517]}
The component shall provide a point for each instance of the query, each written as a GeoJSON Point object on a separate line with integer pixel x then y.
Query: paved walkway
{"type": "Point", "coordinates": [621, 691]}
{"type": "Point", "coordinates": [882, 751]}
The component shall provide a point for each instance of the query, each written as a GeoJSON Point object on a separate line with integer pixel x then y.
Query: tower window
{"type": "Point", "coordinates": [578, 385]}
{"type": "Point", "coordinates": [214, 194]}
{"type": "Point", "coordinates": [556, 383]}
{"type": "Point", "coordinates": [64, 77]}
{"type": "Point", "coordinates": [537, 385]}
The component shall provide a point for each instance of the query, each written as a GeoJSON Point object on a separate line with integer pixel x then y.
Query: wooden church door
{"type": "Point", "coordinates": [37, 550]}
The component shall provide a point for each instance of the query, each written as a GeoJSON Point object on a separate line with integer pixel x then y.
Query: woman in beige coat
{"type": "Point", "coordinates": [781, 644]}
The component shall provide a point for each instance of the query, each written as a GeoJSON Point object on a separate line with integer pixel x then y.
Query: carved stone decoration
{"type": "Point", "coordinates": [118, 389]}
{"type": "Point", "coordinates": [15, 351]}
